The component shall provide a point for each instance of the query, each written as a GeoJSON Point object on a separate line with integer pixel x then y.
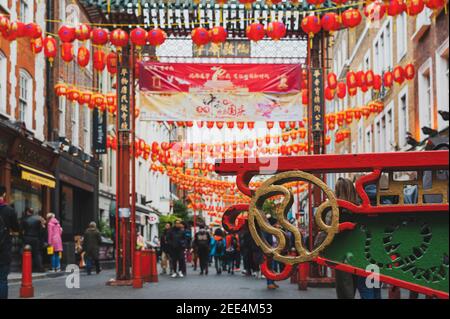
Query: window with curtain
{"type": "Point", "coordinates": [25, 97]}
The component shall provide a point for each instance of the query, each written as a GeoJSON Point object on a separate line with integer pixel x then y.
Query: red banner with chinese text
{"type": "Point", "coordinates": [225, 92]}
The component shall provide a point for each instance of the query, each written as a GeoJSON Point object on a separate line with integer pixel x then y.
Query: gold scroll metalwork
{"type": "Point", "coordinates": [273, 187]}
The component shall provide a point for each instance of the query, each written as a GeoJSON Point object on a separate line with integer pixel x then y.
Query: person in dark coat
{"type": "Point", "coordinates": [91, 246]}
{"type": "Point", "coordinates": [177, 244]}
{"type": "Point", "coordinates": [8, 224]}
{"type": "Point", "coordinates": [202, 245]}
{"type": "Point", "coordinates": [165, 250]}
{"type": "Point", "coordinates": [33, 232]}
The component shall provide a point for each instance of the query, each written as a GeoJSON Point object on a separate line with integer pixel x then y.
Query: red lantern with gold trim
{"type": "Point", "coordinates": [83, 32]}
{"type": "Point", "coordinates": [99, 60]}
{"type": "Point", "coordinates": [218, 34]}
{"type": "Point", "coordinates": [351, 80]}
{"type": "Point", "coordinates": [330, 22]}
{"type": "Point", "coordinates": [369, 78]}
{"type": "Point", "coordinates": [305, 97]}
{"type": "Point", "coordinates": [276, 30]}
{"type": "Point", "coordinates": [230, 125]}
{"type": "Point", "coordinates": [241, 125]}
{"type": "Point", "coordinates": [37, 45]}
{"type": "Point", "coordinates": [32, 30]}
{"type": "Point", "coordinates": [99, 36]}
{"type": "Point", "coordinates": [329, 94]}
{"type": "Point", "coordinates": [388, 79]}
{"type": "Point", "coordinates": [395, 7]}
{"type": "Point", "coordinates": [83, 57]}
{"type": "Point", "coordinates": [332, 80]}
{"type": "Point", "coordinates": [157, 37]}
{"type": "Point", "coordinates": [360, 78]}
{"type": "Point", "coordinates": [67, 34]}
{"type": "Point", "coordinates": [50, 48]}
{"type": "Point", "coordinates": [414, 7]}
{"type": "Point", "coordinates": [341, 90]}
{"type": "Point", "coordinates": [375, 11]}
{"type": "Point", "coordinates": [399, 75]}
{"type": "Point", "coordinates": [410, 71]}
{"type": "Point", "coordinates": [200, 36]}
{"type": "Point", "coordinates": [255, 32]}
{"type": "Point", "coordinates": [61, 89]}
{"type": "Point", "coordinates": [119, 38]}
{"type": "Point", "coordinates": [85, 98]}
{"type": "Point", "coordinates": [435, 4]}
{"type": "Point", "coordinates": [67, 53]}
{"type": "Point", "coordinates": [270, 125]}
{"type": "Point", "coordinates": [111, 63]}
{"type": "Point", "coordinates": [73, 94]}
{"type": "Point", "coordinates": [351, 18]}
{"type": "Point", "coordinates": [377, 82]}
{"type": "Point", "coordinates": [251, 125]}
{"type": "Point", "coordinates": [138, 37]}
{"type": "Point", "coordinates": [311, 25]}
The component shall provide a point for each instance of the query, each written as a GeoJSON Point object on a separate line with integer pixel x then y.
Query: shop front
{"type": "Point", "coordinates": [27, 170]}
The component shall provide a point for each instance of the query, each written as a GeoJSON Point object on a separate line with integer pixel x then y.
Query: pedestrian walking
{"type": "Point", "coordinates": [91, 246]}
{"type": "Point", "coordinates": [177, 244]}
{"type": "Point", "coordinates": [202, 241]}
{"type": "Point", "coordinates": [218, 248]}
{"type": "Point", "coordinates": [32, 234]}
{"type": "Point", "coordinates": [8, 224]}
{"type": "Point", "coordinates": [273, 265]}
{"type": "Point", "coordinates": [54, 231]}
{"type": "Point", "coordinates": [232, 252]}
{"type": "Point", "coordinates": [165, 250]}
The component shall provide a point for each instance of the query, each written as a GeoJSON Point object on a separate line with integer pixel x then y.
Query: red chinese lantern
{"type": "Point", "coordinates": [83, 57]}
{"type": "Point", "coordinates": [341, 90]}
{"type": "Point", "coordinates": [230, 125]}
{"type": "Point", "coordinates": [395, 7]}
{"type": "Point", "coordinates": [210, 124]}
{"type": "Point", "coordinates": [99, 60]}
{"type": "Point", "coordinates": [5, 23]}
{"type": "Point", "coordinates": [61, 89]}
{"type": "Point", "coordinates": [85, 98]}
{"type": "Point", "coordinates": [332, 80]}
{"type": "Point", "coordinates": [435, 4]}
{"type": "Point", "coordinates": [388, 79]}
{"type": "Point", "coordinates": [138, 37]}
{"type": "Point", "coordinates": [375, 11]}
{"type": "Point", "coordinates": [270, 125]}
{"type": "Point", "coordinates": [218, 34]}
{"type": "Point", "coordinates": [17, 30]}
{"type": "Point", "coordinates": [119, 38]}
{"type": "Point", "coordinates": [360, 78]}
{"type": "Point", "coordinates": [247, 3]}
{"type": "Point", "coordinates": [316, 3]}
{"type": "Point", "coordinates": [410, 71]}
{"type": "Point", "coordinates": [339, 2]}
{"type": "Point", "coordinates": [251, 125]}
{"type": "Point", "coordinates": [330, 22]}
{"type": "Point", "coordinates": [67, 34]}
{"type": "Point", "coordinates": [329, 94]}
{"type": "Point", "coordinates": [73, 94]}
{"type": "Point", "coordinates": [83, 32]}
{"type": "Point", "coordinates": [37, 45]}
{"type": "Point", "coordinates": [99, 36]}
{"type": "Point", "coordinates": [351, 18]}
{"type": "Point", "coordinates": [157, 37]}
{"type": "Point", "coordinates": [351, 80]}
{"type": "Point", "coordinates": [32, 30]}
{"type": "Point", "coordinates": [276, 30]}
{"type": "Point", "coordinates": [255, 32]}
{"type": "Point", "coordinates": [365, 111]}
{"type": "Point", "coordinates": [200, 36]}
{"type": "Point", "coordinates": [369, 78]}
{"type": "Point", "coordinates": [220, 125]}
{"type": "Point", "coordinates": [305, 97]}
{"type": "Point", "coordinates": [377, 82]}
{"type": "Point", "coordinates": [399, 75]}
{"type": "Point", "coordinates": [111, 63]}
{"type": "Point", "coordinates": [311, 25]}
{"type": "Point", "coordinates": [352, 91]}
{"type": "Point", "coordinates": [282, 125]}
{"type": "Point", "coordinates": [414, 7]}
{"type": "Point", "coordinates": [273, 2]}
{"type": "Point", "coordinates": [357, 113]}
{"type": "Point", "coordinates": [241, 125]}
{"type": "Point", "coordinates": [50, 48]}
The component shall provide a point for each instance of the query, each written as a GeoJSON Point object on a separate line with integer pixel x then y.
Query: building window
{"type": "Point", "coordinates": [368, 144]}
{"type": "Point", "coordinates": [360, 137]}
{"type": "Point", "coordinates": [25, 97]}
{"type": "Point", "coordinates": [383, 49]}
{"type": "Point", "coordinates": [3, 75]}
{"type": "Point", "coordinates": [442, 89]}
{"type": "Point", "coordinates": [403, 127]}
{"type": "Point", "coordinates": [402, 36]}
{"type": "Point", "coordinates": [26, 11]}
{"type": "Point", "coordinates": [62, 115]}
{"type": "Point", "coordinates": [425, 97]}
{"type": "Point", "coordinates": [75, 126]}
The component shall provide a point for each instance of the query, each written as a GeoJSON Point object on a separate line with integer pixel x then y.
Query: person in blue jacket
{"type": "Point", "coordinates": [218, 248]}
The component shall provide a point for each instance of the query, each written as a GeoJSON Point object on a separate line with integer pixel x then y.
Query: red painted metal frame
{"type": "Point", "coordinates": [383, 278]}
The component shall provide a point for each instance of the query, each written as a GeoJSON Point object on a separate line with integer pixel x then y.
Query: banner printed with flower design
{"type": "Point", "coordinates": [225, 92]}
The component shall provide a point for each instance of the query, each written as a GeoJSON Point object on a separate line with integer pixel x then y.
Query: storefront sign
{"type": "Point", "coordinates": [229, 49]}
{"type": "Point", "coordinates": [36, 176]}
{"type": "Point", "coordinates": [227, 92]}
{"type": "Point", "coordinates": [100, 131]}
{"type": "Point", "coordinates": [153, 219]}
{"type": "Point", "coordinates": [317, 100]}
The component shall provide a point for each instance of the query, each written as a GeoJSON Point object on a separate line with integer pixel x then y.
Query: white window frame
{"type": "Point", "coordinates": [3, 84]}
{"type": "Point", "coordinates": [367, 67]}
{"type": "Point", "coordinates": [368, 143]}
{"type": "Point", "coordinates": [87, 129]}
{"type": "Point", "coordinates": [442, 82]}
{"type": "Point", "coordinates": [403, 122]}
{"type": "Point", "coordinates": [25, 98]}
{"type": "Point", "coordinates": [402, 35]}
{"type": "Point", "coordinates": [423, 108]}
{"type": "Point", "coordinates": [74, 117]}
{"type": "Point", "coordinates": [62, 104]}
{"type": "Point", "coordinates": [360, 137]}
{"type": "Point", "coordinates": [390, 132]}
{"type": "Point", "coordinates": [28, 15]}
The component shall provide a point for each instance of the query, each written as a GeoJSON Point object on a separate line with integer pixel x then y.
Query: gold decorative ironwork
{"type": "Point", "coordinates": [273, 187]}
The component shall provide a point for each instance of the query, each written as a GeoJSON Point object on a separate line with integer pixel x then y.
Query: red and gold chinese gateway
{"type": "Point", "coordinates": [399, 228]}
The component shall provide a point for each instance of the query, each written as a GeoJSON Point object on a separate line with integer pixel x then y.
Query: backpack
{"type": "Point", "coordinates": [202, 239]}
{"type": "Point", "coordinates": [220, 247]}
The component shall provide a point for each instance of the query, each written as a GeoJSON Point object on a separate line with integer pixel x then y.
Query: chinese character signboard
{"type": "Point", "coordinates": [124, 81]}
{"type": "Point", "coordinates": [225, 92]}
{"type": "Point", "coordinates": [317, 100]}
{"type": "Point", "coordinates": [229, 49]}
{"type": "Point", "coordinates": [100, 127]}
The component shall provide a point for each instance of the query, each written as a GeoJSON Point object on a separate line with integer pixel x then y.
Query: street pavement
{"type": "Point", "coordinates": [192, 286]}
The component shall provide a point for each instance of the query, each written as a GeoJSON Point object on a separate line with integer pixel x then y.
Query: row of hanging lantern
{"type": "Point", "coordinates": [240, 125]}
{"type": "Point", "coordinates": [103, 102]}
{"type": "Point", "coordinates": [347, 116]}
{"type": "Point", "coordinates": [366, 80]}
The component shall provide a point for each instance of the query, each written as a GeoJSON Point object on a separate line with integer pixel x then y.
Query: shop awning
{"type": "Point", "coordinates": [36, 176]}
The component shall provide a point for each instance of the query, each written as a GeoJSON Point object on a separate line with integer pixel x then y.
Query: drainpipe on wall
{"type": "Point", "coordinates": [49, 96]}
